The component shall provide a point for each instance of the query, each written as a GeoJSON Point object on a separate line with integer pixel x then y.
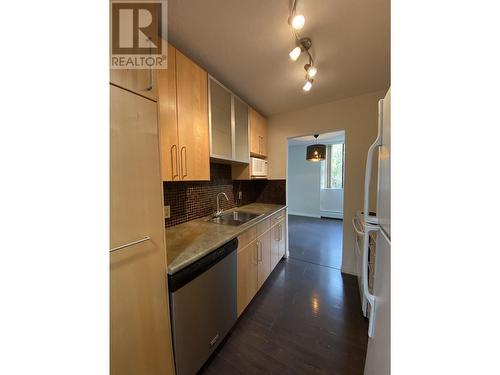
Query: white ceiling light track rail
{"type": "Point", "coordinates": [303, 45]}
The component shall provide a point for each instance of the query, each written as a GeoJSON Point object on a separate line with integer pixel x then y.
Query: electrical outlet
{"type": "Point", "coordinates": [166, 210]}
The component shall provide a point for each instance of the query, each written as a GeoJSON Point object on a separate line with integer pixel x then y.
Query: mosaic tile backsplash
{"type": "Point", "coordinates": [194, 199]}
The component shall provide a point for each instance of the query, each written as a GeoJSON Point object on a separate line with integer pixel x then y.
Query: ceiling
{"type": "Point", "coordinates": [245, 45]}
{"type": "Point", "coordinates": [325, 138]}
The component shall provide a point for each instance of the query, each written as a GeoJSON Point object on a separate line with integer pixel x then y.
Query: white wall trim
{"type": "Point", "coordinates": [332, 214]}
{"type": "Point", "coordinates": [303, 214]}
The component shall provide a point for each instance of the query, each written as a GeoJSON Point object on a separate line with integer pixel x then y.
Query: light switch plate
{"type": "Point", "coordinates": [166, 210]}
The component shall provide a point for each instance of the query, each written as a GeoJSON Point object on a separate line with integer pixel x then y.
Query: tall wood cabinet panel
{"type": "Point", "coordinates": [192, 119]}
{"type": "Point", "coordinates": [140, 81]}
{"type": "Point", "coordinates": [140, 336]}
{"type": "Point", "coordinates": [258, 133]}
{"type": "Point", "coordinates": [167, 117]}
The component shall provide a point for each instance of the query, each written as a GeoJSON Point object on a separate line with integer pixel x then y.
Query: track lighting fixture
{"type": "Point", "coordinates": [297, 21]}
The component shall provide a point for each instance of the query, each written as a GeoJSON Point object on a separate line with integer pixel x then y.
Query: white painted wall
{"type": "Point", "coordinates": [358, 117]}
{"type": "Point", "coordinates": [303, 183]}
{"type": "Point", "coordinates": [332, 203]}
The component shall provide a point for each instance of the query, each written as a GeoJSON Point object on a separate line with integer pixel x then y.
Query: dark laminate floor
{"type": "Point", "coordinates": [316, 240]}
{"type": "Point", "coordinates": [306, 319]}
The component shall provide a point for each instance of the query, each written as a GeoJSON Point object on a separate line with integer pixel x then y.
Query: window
{"type": "Point", "coordinates": [332, 170]}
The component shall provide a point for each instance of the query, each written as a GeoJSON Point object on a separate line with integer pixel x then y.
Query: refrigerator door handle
{"type": "Point", "coordinates": [359, 232]}
{"type": "Point", "coordinates": [370, 297]}
{"type": "Point", "coordinates": [369, 159]}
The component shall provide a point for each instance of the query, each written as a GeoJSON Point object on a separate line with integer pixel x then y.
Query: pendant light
{"type": "Point", "coordinates": [316, 152]}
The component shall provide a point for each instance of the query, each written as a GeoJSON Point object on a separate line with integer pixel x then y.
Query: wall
{"type": "Point", "coordinates": [358, 117]}
{"type": "Point", "coordinates": [195, 199]}
{"type": "Point", "coordinates": [303, 183]}
{"type": "Point", "coordinates": [331, 203]}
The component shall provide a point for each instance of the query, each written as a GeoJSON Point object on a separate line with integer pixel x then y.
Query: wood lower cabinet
{"type": "Point", "coordinates": [247, 275]}
{"type": "Point", "coordinates": [278, 233]}
{"type": "Point", "coordinates": [260, 248]}
{"type": "Point", "coordinates": [282, 241]}
{"type": "Point", "coordinates": [183, 117]}
{"type": "Point", "coordinates": [140, 336]}
{"type": "Point", "coordinates": [264, 257]}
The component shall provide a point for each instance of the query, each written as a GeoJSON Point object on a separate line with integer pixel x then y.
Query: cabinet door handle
{"type": "Point", "coordinates": [257, 252]}
{"type": "Point", "coordinates": [184, 167]}
{"type": "Point", "coordinates": [172, 162]}
{"type": "Point", "coordinates": [260, 251]}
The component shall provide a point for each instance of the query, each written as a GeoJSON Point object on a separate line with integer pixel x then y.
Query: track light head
{"type": "Point", "coordinates": [297, 21]}
{"type": "Point", "coordinates": [295, 53]}
{"type": "Point", "coordinates": [308, 85]}
{"type": "Point", "coordinates": [311, 70]}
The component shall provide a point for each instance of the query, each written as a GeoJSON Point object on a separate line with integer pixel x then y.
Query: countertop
{"type": "Point", "coordinates": [188, 242]}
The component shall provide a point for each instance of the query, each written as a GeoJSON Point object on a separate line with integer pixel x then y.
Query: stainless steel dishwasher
{"type": "Point", "coordinates": [202, 307]}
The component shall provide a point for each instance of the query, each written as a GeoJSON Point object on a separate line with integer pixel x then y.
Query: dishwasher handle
{"type": "Point", "coordinates": [192, 271]}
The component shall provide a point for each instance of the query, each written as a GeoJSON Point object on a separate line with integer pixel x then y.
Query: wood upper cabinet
{"type": "Point", "coordinates": [258, 133]}
{"type": "Point", "coordinates": [183, 114]}
{"type": "Point", "coordinates": [140, 338]}
{"type": "Point", "coordinates": [241, 131]}
{"type": "Point", "coordinates": [167, 117]}
{"type": "Point", "coordinates": [221, 121]}
{"type": "Point", "coordinates": [140, 81]}
{"type": "Point", "coordinates": [228, 121]}
{"type": "Point", "coordinates": [247, 275]}
{"type": "Point", "coordinates": [192, 119]}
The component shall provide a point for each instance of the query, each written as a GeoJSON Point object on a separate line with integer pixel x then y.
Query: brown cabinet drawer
{"type": "Point", "coordinates": [263, 227]}
{"type": "Point", "coordinates": [277, 217]}
{"type": "Point", "coordinates": [246, 237]}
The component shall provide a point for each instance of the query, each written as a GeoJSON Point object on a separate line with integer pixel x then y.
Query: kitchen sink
{"type": "Point", "coordinates": [234, 218]}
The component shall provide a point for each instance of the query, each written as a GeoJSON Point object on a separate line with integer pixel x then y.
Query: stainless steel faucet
{"type": "Point", "coordinates": [220, 210]}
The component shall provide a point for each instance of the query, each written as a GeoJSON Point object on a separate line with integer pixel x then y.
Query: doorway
{"type": "Point", "coordinates": [315, 194]}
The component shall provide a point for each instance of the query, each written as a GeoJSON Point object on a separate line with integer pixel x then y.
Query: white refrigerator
{"type": "Point", "coordinates": [378, 357]}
